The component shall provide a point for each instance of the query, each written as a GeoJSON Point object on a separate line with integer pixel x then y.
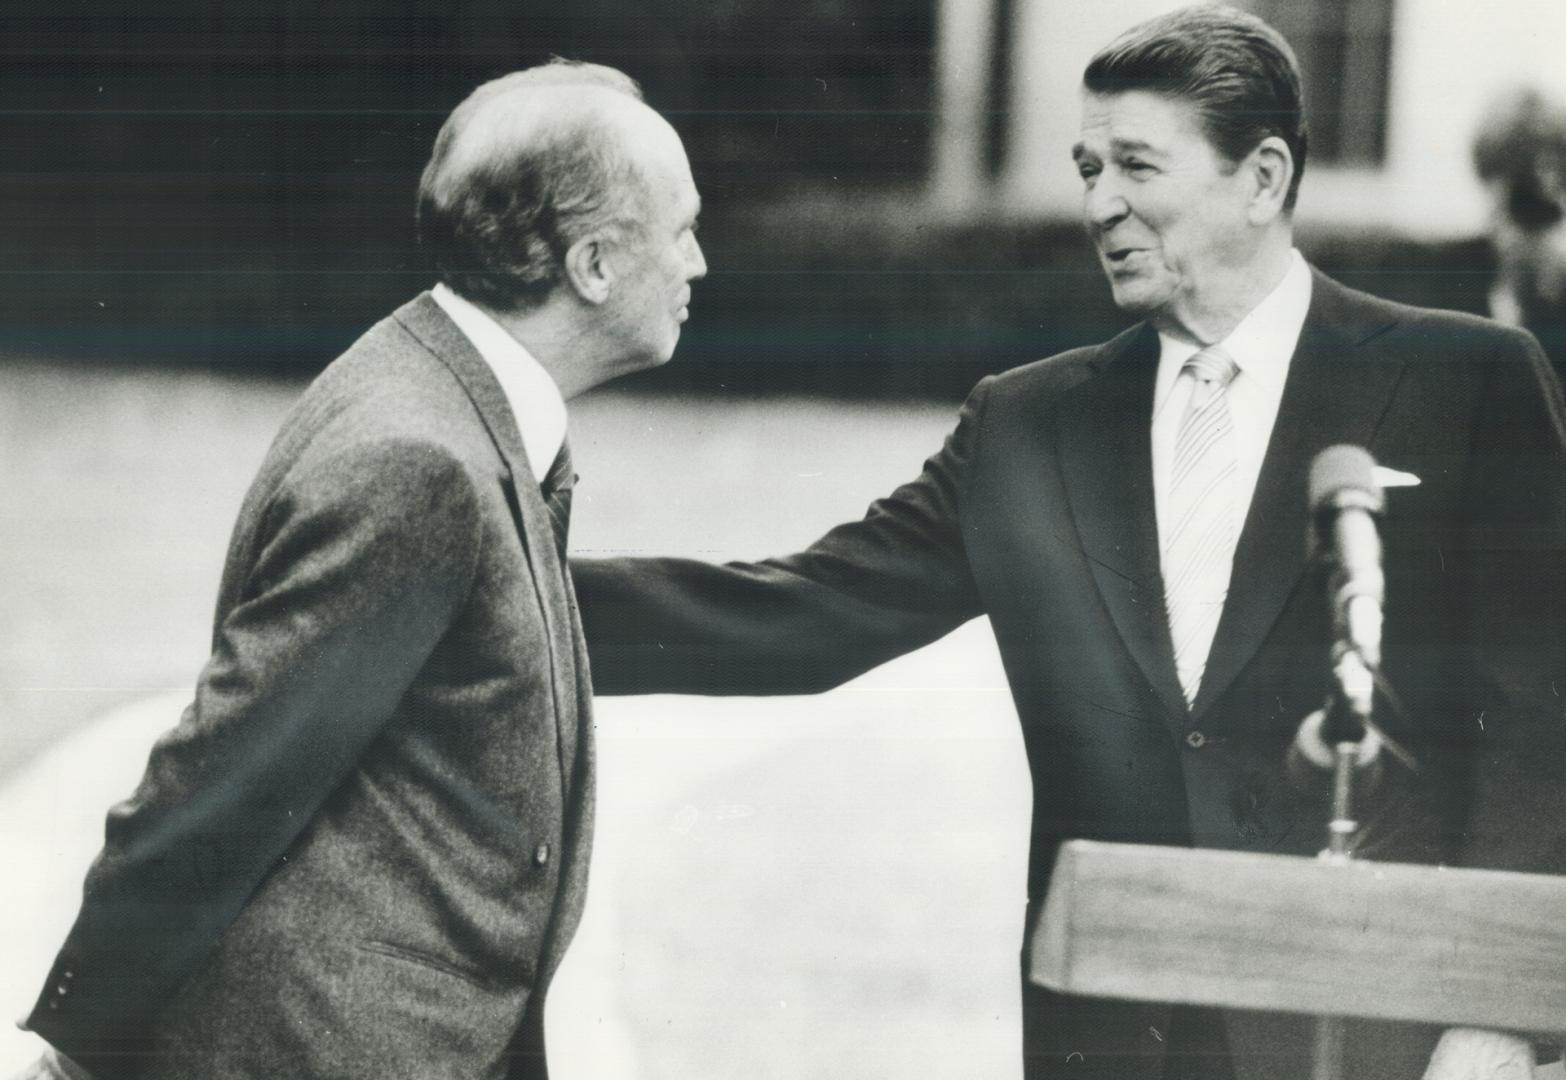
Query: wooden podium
{"type": "Point", "coordinates": [1332, 938]}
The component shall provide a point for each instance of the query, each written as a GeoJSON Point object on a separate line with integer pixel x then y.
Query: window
{"type": "Point", "coordinates": [1344, 48]}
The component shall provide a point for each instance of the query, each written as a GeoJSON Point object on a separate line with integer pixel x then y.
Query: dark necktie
{"type": "Point", "coordinates": [557, 495]}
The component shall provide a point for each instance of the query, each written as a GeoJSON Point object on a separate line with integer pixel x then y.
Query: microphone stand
{"type": "Point", "coordinates": [1341, 738]}
{"type": "Point", "coordinates": [1347, 731]}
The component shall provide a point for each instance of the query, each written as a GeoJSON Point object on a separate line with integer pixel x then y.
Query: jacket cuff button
{"type": "Point", "coordinates": [541, 855]}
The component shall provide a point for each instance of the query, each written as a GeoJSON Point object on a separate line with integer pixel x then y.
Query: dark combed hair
{"type": "Point", "coordinates": [497, 221]}
{"type": "Point", "coordinates": [1235, 69]}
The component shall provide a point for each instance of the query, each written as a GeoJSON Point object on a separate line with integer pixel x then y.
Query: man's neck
{"type": "Point", "coordinates": [1251, 284]}
{"type": "Point", "coordinates": [559, 346]}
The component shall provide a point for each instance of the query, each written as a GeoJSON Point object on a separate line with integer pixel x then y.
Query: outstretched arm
{"type": "Point", "coordinates": [864, 593]}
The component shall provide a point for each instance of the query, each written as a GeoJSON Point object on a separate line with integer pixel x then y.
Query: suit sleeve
{"type": "Point", "coordinates": [865, 592]}
{"type": "Point", "coordinates": [361, 562]}
{"type": "Point", "coordinates": [1516, 620]}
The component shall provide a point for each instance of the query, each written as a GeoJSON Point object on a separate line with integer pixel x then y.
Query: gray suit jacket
{"type": "Point", "coordinates": [364, 848]}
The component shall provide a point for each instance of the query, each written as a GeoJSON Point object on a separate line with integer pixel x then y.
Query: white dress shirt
{"type": "Point", "coordinates": [534, 398]}
{"type": "Point", "coordinates": [1262, 345]}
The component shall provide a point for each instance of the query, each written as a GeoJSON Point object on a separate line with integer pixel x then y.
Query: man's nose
{"type": "Point", "coordinates": [695, 261]}
{"type": "Point", "coordinates": [1104, 204]}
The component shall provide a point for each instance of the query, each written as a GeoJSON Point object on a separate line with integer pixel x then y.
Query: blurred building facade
{"type": "Point", "coordinates": [1394, 88]}
{"type": "Point", "coordinates": [890, 201]}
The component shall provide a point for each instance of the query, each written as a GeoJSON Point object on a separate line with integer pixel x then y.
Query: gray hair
{"type": "Point", "coordinates": [517, 176]}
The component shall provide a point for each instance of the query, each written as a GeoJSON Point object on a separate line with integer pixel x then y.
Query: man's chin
{"type": "Point", "coordinates": [1134, 300]}
{"type": "Point", "coordinates": [660, 357]}
{"type": "Point", "coordinates": [659, 353]}
{"type": "Point", "coordinates": [667, 352]}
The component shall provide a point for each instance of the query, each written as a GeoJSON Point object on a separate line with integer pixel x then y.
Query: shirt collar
{"type": "Point", "coordinates": [534, 398]}
{"type": "Point", "coordinates": [1263, 342]}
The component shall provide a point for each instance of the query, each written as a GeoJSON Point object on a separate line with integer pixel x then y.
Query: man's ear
{"type": "Point", "coordinates": [1272, 168]}
{"type": "Point", "coordinates": [589, 270]}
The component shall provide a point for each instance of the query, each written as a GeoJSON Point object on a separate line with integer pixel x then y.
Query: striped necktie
{"type": "Point", "coordinates": [1198, 553]}
{"type": "Point", "coordinates": [556, 490]}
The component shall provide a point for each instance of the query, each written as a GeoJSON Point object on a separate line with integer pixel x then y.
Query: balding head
{"type": "Point", "coordinates": [527, 165]}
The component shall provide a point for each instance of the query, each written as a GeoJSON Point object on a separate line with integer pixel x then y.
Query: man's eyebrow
{"type": "Point", "coordinates": [1117, 146]}
{"type": "Point", "coordinates": [1137, 146]}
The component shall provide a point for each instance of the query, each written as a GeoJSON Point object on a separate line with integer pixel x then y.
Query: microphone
{"type": "Point", "coordinates": [1346, 501]}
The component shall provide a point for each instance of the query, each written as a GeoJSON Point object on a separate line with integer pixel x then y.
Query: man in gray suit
{"type": "Point", "coordinates": [363, 850]}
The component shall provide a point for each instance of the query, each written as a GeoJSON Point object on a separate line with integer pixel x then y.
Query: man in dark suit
{"type": "Point", "coordinates": [363, 850]}
{"type": "Point", "coordinates": [1132, 519]}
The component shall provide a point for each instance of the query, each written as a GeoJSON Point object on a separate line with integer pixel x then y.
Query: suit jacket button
{"type": "Point", "coordinates": [541, 855]}
{"type": "Point", "coordinates": [62, 989]}
{"type": "Point", "coordinates": [1195, 740]}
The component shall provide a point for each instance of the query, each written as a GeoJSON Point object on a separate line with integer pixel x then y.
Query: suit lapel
{"type": "Point", "coordinates": [424, 319]}
{"type": "Point", "coordinates": [1337, 391]}
{"type": "Point", "coordinates": [1106, 460]}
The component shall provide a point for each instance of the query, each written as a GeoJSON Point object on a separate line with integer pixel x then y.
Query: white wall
{"type": "Point", "coordinates": [962, 67]}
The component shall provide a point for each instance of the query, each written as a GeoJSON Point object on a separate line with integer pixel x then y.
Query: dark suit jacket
{"type": "Point", "coordinates": [364, 848]}
{"type": "Point", "coordinates": [1038, 512]}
